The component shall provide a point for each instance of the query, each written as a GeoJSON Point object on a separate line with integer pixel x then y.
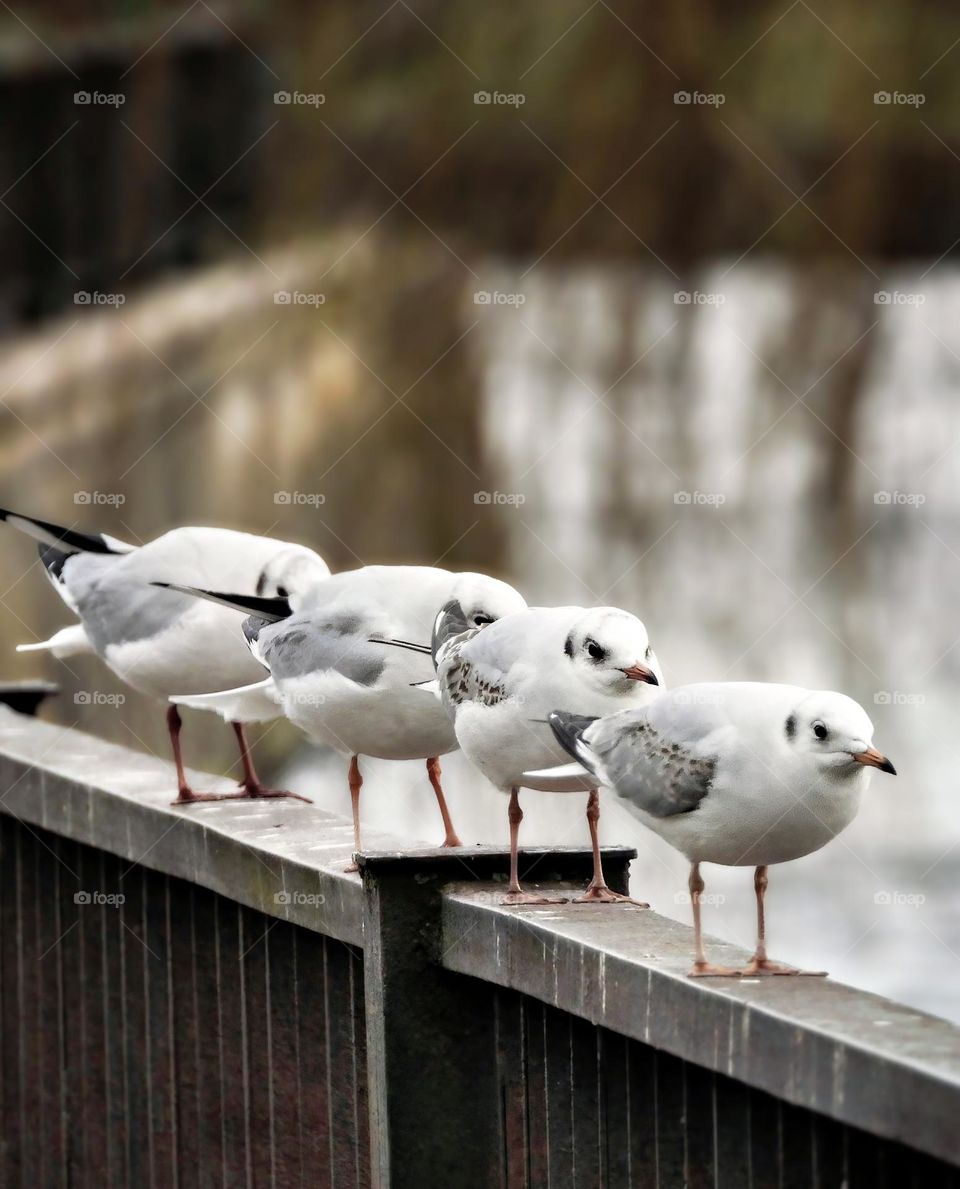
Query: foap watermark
{"type": "Point", "coordinates": [686, 297]}
{"type": "Point", "coordinates": [110, 899]}
{"type": "Point", "coordinates": [899, 98]}
{"type": "Point", "coordinates": [708, 898]}
{"type": "Point", "coordinates": [299, 98]}
{"type": "Point", "coordinates": [693, 697]}
{"type": "Point", "coordinates": [499, 99]}
{"type": "Point", "coordinates": [484, 297]}
{"type": "Point", "coordinates": [293, 297]}
{"type": "Point", "coordinates": [84, 297]}
{"type": "Point", "coordinates": [310, 499]}
{"type": "Point", "coordinates": [897, 697]}
{"type": "Point", "coordinates": [510, 498]}
{"type": "Point", "coordinates": [894, 297]}
{"type": "Point", "coordinates": [908, 499]}
{"type": "Point", "coordinates": [699, 98]}
{"type": "Point", "coordinates": [304, 698]}
{"type": "Point", "coordinates": [896, 899]}
{"type": "Point", "coordinates": [94, 697]}
{"type": "Point", "coordinates": [310, 899]}
{"type": "Point", "coordinates": [112, 499]}
{"type": "Point", "coordinates": [99, 98]}
{"type": "Point", "coordinates": [712, 499]}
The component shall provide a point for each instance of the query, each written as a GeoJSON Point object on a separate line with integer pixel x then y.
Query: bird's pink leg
{"type": "Point", "coordinates": [433, 771]}
{"type": "Point", "coordinates": [515, 893]}
{"type": "Point", "coordinates": [701, 967]}
{"type": "Point", "coordinates": [760, 964]}
{"type": "Point", "coordinates": [355, 780]}
{"type": "Point", "coordinates": [251, 786]}
{"type": "Point", "coordinates": [251, 782]}
{"type": "Point", "coordinates": [186, 794]}
{"type": "Point", "coordinates": [597, 891]}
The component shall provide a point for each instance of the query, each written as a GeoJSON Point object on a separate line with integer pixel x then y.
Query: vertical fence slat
{"type": "Point", "coordinates": [698, 1126]}
{"type": "Point", "coordinates": [30, 1013]}
{"type": "Point", "coordinates": [71, 976]}
{"type": "Point", "coordinates": [764, 1139]}
{"type": "Point", "coordinates": [257, 1000]}
{"type": "Point", "coordinates": [185, 1033]}
{"type": "Point", "coordinates": [559, 1074]}
{"type": "Point", "coordinates": [137, 959]}
{"type": "Point", "coordinates": [517, 1085]}
{"type": "Point", "coordinates": [315, 1139]}
{"type": "Point", "coordinates": [161, 1122]}
{"type": "Point", "coordinates": [671, 1137]}
{"type": "Point", "coordinates": [208, 1042]}
{"type": "Point", "coordinates": [94, 1043]}
{"type": "Point", "coordinates": [50, 938]}
{"type": "Point", "coordinates": [10, 1133]}
{"type": "Point", "coordinates": [341, 1056]}
{"type": "Point", "coordinates": [584, 1083]}
{"type": "Point", "coordinates": [642, 1074]}
{"type": "Point", "coordinates": [614, 1077]}
{"type": "Point", "coordinates": [284, 1070]}
{"type": "Point", "coordinates": [233, 1073]}
{"type": "Point", "coordinates": [533, 1052]}
{"type": "Point", "coordinates": [732, 1106]}
{"type": "Point", "coordinates": [115, 955]}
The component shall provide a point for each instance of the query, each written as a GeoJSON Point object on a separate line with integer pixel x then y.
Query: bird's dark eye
{"type": "Point", "coordinates": [820, 730]}
{"type": "Point", "coordinates": [282, 592]}
{"type": "Point", "coordinates": [481, 619]}
{"type": "Point", "coordinates": [649, 653]}
{"type": "Point", "coordinates": [595, 651]}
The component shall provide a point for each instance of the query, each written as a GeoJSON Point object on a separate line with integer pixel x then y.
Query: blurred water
{"type": "Point", "coordinates": [770, 479]}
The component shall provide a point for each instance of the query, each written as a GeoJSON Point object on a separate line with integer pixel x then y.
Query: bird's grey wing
{"type": "Point", "coordinates": [306, 644]}
{"type": "Point", "coordinates": [114, 607]}
{"type": "Point", "coordinates": [646, 765]}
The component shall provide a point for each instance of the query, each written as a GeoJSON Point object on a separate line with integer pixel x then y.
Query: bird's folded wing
{"type": "Point", "coordinates": [647, 765]}
{"type": "Point", "coordinates": [308, 643]}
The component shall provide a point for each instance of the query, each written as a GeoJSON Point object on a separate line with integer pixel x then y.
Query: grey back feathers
{"type": "Point", "coordinates": [301, 645]}
{"type": "Point", "coordinates": [626, 752]}
{"type": "Point", "coordinates": [121, 609]}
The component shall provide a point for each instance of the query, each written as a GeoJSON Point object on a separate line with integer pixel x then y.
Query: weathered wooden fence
{"type": "Point", "coordinates": [204, 996]}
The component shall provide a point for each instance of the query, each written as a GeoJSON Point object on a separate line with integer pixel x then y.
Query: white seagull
{"type": "Point", "coordinates": [737, 773]}
{"type": "Point", "coordinates": [336, 681]}
{"type": "Point", "coordinates": [160, 642]}
{"type": "Point", "coordinates": [499, 685]}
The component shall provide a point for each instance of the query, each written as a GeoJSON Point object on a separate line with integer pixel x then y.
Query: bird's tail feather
{"type": "Point", "coordinates": [69, 641]}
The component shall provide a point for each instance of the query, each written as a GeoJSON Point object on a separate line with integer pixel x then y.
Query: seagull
{"type": "Point", "coordinates": [737, 773]}
{"type": "Point", "coordinates": [334, 679]}
{"type": "Point", "coordinates": [498, 685]}
{"type": "Point", "coordinates": [159, 641]}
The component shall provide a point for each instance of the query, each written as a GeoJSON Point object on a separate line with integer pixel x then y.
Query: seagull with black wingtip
{"type": "Point", "coordinates": [160, 642]}
{"type": "Point", "coordinates": [736, 773]}
{"type": "Point", "coordinates": [332, 676]}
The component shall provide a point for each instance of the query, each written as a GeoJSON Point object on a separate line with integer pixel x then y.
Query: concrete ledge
{"type": "Point", "coordinates": [855, 1057]}
{"type": "Point", "coordinates": [284, 858]}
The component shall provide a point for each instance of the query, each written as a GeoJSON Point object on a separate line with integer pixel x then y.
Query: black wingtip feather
{"type": "Point", "coordinates": [569, 729]}
{"type": "Point", "coordinates": [270, 610]}
{"type": "Point", "coordinates": [46, 531]}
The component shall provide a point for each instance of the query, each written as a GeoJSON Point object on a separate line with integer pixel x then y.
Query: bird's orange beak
{"type": "Point", "coordinates": [640, 672]}
{"type": "Point", "coordinates": [875, 759]}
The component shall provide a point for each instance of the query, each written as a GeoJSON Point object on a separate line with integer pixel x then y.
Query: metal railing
{"type": "Point", "coordinates": [206, 996]}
